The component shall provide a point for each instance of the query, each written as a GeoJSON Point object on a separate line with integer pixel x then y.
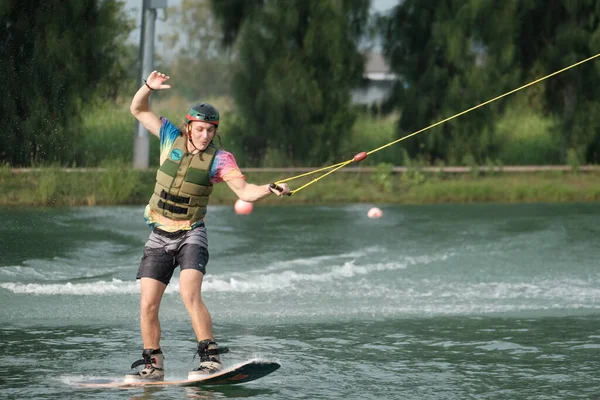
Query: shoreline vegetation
{"type": "Point", "coordinates": [383, 184]}
{"type": "Point", "coordinates": [525, 169]}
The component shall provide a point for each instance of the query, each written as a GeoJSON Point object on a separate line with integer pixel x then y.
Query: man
{"type": "Point", "coordinates": [189, 166]}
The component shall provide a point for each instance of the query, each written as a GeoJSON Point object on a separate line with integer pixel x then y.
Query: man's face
{"type": "Point", "coordinates": [202, 134]}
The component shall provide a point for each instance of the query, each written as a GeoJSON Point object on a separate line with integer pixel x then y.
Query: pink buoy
{"type": "Point", "coordinates": [242, 207]}
{"type": "Point", "coordinates": [375, 213]}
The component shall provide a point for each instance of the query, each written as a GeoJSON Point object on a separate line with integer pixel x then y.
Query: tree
{"type": "Point", "coordinates": [453, 55]}
{"type": "Point", "coordinates": [298, 61]}
{"type": "Point", "coordinates": [438, 52]}
{"type": "Point", "coordinates": [564, 33]}
{"type": "Point", "coordinates": [200, 60]}
{"type": "Point", "coordinates": [55, 56]}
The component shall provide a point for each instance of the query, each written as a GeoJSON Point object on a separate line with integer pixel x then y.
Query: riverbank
{"type": "Point", "coordinates": [120, 186]}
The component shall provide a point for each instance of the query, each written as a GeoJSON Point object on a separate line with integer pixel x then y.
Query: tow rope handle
{"type": "Point", "coordinates": [278, 188]}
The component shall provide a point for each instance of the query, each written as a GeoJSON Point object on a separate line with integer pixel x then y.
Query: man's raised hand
{"type": "Point", "coordinates": [156, 81]}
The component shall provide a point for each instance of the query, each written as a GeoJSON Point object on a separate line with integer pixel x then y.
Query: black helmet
{"type": "Point", "coordinates": [203, 112]}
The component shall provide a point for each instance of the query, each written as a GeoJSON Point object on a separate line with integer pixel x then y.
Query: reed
{"type": "Point", "coordinates": [121, 185]}
{"type": "Point", "coordinates": [527, 138]}
{"type": "Point", "coordinates": [48, 187]}
{"type": "Point", "coordinates": [521, 138]}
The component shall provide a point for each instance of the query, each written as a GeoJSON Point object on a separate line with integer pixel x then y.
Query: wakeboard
{"type": "Point", "coordinates": [246, 371]}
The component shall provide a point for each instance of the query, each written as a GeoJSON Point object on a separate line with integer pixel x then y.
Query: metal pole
{"type": "Point", "coordinates": [141, 150]}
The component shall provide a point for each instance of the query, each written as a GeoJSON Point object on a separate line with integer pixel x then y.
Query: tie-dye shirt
{"type": "Point", "coordinates": [224, 168]}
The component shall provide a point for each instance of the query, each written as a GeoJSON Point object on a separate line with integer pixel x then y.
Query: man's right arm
{"type": "Point", "coordinates": [140, 105]}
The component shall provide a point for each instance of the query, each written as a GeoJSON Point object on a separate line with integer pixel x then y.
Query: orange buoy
{"type": "Point", "coordinates": [242, 207]}
{"type": "Point", "coordinates": [360, 156]}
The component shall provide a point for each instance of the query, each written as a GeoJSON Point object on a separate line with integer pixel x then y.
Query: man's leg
{"type": "Point", "coordinates": [193, 258]}
{"type": "Point", "coordinates": [152, 291]}
{"type": "Point", "coordinates": [151, 296]}
{"type": "Point", "coordinates": [190, 284]}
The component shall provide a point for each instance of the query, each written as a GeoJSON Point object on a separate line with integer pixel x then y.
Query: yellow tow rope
{"type": "Point", "coordinates": [361, 156]}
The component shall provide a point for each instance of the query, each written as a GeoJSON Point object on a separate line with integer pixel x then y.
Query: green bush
{"type": "Point", "coordinates": [573, 160]}
{"type": "Point", "coordinates": [520, 138]}
{"type": "Point", "coordinates": [48, 188]}
{"type": "Point", "coordinates": [119, 184]}
{"type": "Point", "coordinates": [414, 173]}
{"type": "Point", "coordinates": [108, 135]}
{"type": "Point", "coordinates": [369, 133]}
{"type": "Point", "coordinates": [527, 139]}
{"type": "Point", "coordinates": [469, 161]}
{"type": "Point", "coordinates": [383, 176]}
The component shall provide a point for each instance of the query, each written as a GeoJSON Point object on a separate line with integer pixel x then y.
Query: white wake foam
{"type": "Point", "coordinates": [287, 279]}
{"type": "Point", "coordinates": [269, 279]}
{"type": "Point", "coordinates": [241, 283]}
{"type": "Point", "coordinates": [89, 288]}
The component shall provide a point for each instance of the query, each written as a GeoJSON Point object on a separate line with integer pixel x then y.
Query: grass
{"type": "Point", "coordinates": [521, 137]}
{"type": "Point", "coordinates": [528, 138]}
{"type": "Point", "coordinates": [110, 130]}
{"type": "Point", "coordinates": [121, 185]}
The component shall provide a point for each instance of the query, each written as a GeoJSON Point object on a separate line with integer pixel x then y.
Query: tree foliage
{"type": "Point", "coordinates": [454, 54]}
{"type": "Point", "coordinates": [55, 56]}
{"type": "Point", "coordinates": [291, 65]}
{"type": "Point", "coordinates": [565, 33]}
{"type": "Point", "coordinates": [298, 61]}
{"type": "Point", "coordinates": [200, 60]}
{"type": "Point", "coordinates": [437, 50]}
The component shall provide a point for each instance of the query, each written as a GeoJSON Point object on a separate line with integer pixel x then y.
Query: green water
{"type": "Point", "coordinates": [428, 302]}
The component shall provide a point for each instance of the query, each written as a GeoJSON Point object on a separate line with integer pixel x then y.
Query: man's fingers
{"type": "Point", "coordinates": [278, 189]}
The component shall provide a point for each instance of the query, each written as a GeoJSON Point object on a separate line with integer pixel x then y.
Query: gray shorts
{"type": "Point", "coordinates": [165, 251]}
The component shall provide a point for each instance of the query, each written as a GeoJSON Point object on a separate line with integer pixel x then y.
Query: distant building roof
{"type": "Point", "coordinates": [377, 69]}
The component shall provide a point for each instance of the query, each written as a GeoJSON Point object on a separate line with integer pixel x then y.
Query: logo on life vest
{"type": "Point", "coordinates": [176, 155]}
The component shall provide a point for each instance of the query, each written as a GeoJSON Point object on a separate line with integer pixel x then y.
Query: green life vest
{"type": "Point", "coordinates": [183, 183]}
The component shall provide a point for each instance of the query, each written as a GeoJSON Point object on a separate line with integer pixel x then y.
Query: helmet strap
{"type": "Point", "coordinates": [189, 136]}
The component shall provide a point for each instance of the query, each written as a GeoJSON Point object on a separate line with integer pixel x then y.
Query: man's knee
{"type": "Point", "coordinates": [149, 307]}
{"type": "Point", "coordinates": [190, 294]}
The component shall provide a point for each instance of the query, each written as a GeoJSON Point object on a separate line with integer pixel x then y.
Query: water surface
{"type": "Point", "coordinates": [428, 302]}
